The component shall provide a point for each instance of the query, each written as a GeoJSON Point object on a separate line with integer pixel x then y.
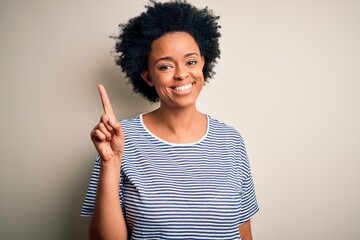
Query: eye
{"type": "Point", "coordinates": [192, 62]}
{"type": "Point", "coordinates": [164, 67]}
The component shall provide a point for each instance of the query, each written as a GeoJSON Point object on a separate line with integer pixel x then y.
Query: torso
{"type": "Point", "coordinates": [191, 190]}
{"type": "Point", "coordinates": [168, 191]}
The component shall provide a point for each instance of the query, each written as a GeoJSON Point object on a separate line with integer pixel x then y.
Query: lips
{"type": "Point", "coordinates": [183, 88]}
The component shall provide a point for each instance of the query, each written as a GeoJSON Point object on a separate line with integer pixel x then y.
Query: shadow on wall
{"type": "Point", "coordinates": [126, 104]}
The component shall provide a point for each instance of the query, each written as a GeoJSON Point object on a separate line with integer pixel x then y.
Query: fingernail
{"type": "Point", "coordinates": [111, 121]}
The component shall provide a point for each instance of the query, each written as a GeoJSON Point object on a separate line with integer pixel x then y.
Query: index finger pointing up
{"type": "Point", "coordinates": [106, 102]}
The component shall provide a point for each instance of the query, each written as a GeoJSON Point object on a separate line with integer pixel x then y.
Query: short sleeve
{"type": "Point", "coordinates": [249, 204]}
{"type": "Point", "coordinates": [89, 202]}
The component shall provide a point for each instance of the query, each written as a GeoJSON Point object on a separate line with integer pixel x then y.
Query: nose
{"type": "Point", "coordinates": [181, 73]}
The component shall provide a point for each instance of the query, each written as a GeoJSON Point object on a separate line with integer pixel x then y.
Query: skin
{"type": "Point", "coordinates": [175, 62]}
{"type": "Point", "coordinates": [245, 231]}
{"type": "Point", "coordinates": [107, 221]}
{"type": "Point", "coordinates": [175, 70]}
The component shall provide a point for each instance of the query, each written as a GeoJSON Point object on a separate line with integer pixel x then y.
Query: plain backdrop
{"type": "Point", "coordinates": [288, 80]}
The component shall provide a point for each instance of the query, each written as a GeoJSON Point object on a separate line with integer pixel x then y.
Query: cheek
{"type": "Point", "coordinates": [199, 74]}
{"type": "Point", "coordinates": [162, 80]}
{"type": "Point", "coordinates": [200, 70]}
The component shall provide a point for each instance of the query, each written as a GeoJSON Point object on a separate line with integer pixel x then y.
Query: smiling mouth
{"type": "Point", "coordinates": [183, 88]}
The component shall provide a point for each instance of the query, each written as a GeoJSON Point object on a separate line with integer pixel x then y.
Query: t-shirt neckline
{"type": "Point", "coordinates": [171, 143]}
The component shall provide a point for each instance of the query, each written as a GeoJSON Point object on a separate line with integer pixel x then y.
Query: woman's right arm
{"type": "Point", "coordinates": [108, 221]}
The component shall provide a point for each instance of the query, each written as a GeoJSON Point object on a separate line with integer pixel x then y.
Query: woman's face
{"type": "Point", "coordinates": [175, 69]}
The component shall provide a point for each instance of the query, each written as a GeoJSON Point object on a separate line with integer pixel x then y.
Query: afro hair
{"type": "Point", "coordinates": [134, 42]}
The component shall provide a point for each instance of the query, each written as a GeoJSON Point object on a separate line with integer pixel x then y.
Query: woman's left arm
{"type": "Point", "coordinates": [245, 231]}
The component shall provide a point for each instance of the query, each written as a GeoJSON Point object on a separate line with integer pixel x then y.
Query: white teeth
{"type": "Point", "coordinates": [183, 88]}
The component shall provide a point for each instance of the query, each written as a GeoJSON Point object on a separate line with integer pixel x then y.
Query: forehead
{"type": "Point", "coordinates": [174, 43]}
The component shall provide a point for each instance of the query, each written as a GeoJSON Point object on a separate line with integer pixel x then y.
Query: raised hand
{"type": "Point", "coordinates": [107, 135]}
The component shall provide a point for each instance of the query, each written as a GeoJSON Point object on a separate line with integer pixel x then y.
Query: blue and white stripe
{"type": "Point", "coordinates": [202, 190]}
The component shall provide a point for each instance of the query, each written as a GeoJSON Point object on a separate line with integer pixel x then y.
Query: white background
{"type": "Point", "coordinates": [288, 80]}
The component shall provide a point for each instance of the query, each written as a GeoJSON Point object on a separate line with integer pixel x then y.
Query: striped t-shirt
{"type": "Point", "coordinates": [202, 190]}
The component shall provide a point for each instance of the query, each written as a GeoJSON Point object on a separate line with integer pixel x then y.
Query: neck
{"type": "Point", "coordinates": [178, 119]}
{"type": "Point", "coordinates": [176, 125]}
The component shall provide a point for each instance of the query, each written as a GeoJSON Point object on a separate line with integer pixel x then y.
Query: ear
{"type": "Point", "coordinates": [147, 78]}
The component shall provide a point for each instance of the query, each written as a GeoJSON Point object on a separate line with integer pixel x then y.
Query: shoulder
{"type": "Point", "coordinates": [225, 135]}
{"type": "Point", "coordinates": [132, 127]}
{"type": "Point", "coordinates": [228, 138]}
{"type": "Point", "coordinates": [130, 122]}
{"type": "Point", "coordinates": [222, 129]}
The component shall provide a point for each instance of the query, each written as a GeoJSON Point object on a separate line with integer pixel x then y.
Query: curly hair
{"type": "Point", "coordinates": [134, 42]}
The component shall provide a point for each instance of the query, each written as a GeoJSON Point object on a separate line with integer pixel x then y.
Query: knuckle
{"type": "Point", "coordinates": [104, 118]}
{"type": "Point", "coordinates": [116, 125]}
{"type": "Point", "coordinates": [102, 127]}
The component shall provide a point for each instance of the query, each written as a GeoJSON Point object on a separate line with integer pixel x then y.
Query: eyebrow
{"type": "Point", "coordinates": [170, 58]}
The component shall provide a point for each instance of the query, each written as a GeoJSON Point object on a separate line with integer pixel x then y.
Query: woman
{"type": "Point", "coordinates": [182, 174]}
